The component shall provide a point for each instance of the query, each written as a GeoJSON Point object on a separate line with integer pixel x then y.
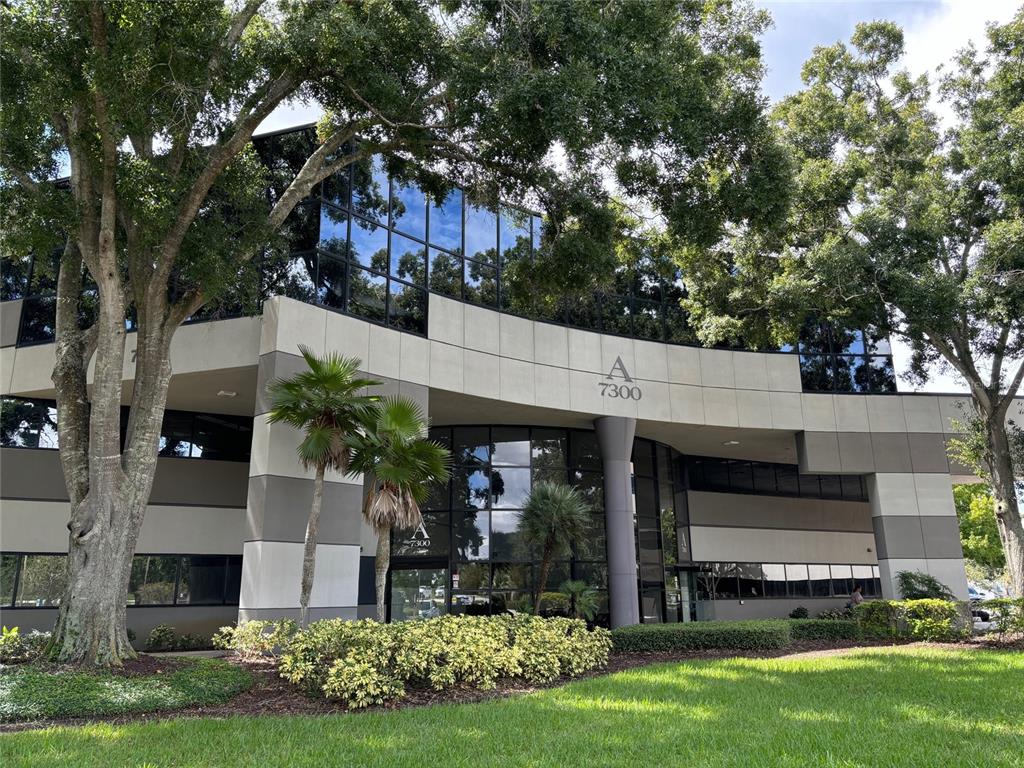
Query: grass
{"type": "Point", "coordinates": [893, 707]}
{"type": "Point", "coordinates": [32, 692]}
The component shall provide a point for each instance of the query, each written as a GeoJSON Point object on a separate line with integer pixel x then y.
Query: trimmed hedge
{"type": "Point", "coordinates": [704, 635]}
{"type": "Point", "coordinates": [365, 662]}
{"type": "Point", "coordinates": [824, 629]}
{"type": "Point", "coordinates": [925, 619]}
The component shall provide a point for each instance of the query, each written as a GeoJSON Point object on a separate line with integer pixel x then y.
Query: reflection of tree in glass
{"type": "Point", "coordinates": [482, 282]}
{"type": "Point", "coordinates": [411, 266]}
{"type": "Point", "coordinates": [21, 422]}
{"type": "Point", "coordinates": [42, 580]}
{"type": "Point", "coordinates": [469, 538]}
{"type": "Point", "coordinates": [446, 274]}
{"type": "Point", "coordinates": [370, 189]}
{"type": "Point", "coordinates": [497, 485]}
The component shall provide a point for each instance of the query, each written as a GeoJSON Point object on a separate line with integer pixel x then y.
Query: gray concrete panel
{"type": "Point", "coordinates": [615, 435]}
{"type": "Point", "coordinates": [739, 510]}
{"type": "Point", "coordinates": [855, 452]}
{"type": "Point", "coordinates": [350, 612]}
{"type": "Point", "coordinates": [818, 452]}
{"type": "Point", "coordinates": [278, 509]}
{"type": "Point", "coordinates": [737, 610]}
{"type": "Point", "coordinates": [941, 537]}
{"type": "Point", "coordinates": [892, 452]}
{"type": "Point", "coordinates": [274, 365]}
{"type": "Point", "coordinates": [928, 452]}
{"type": "Point", "coordinates": [10, 318]}
{"type": "Point", "coordinates": [899, 537]}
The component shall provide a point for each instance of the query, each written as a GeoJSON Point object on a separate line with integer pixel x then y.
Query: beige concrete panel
{"type": "Point", "coordinates": [892, 493]}
{"type": "Point", "coordinates": [762, 545]}
{"type": "Point", "coordinates": [687, 403]}
{"type": "Point", "coordinates": [481, 374]}
{"type": "Point", "coordinates": [783, 373]}
{"type": "Point", "coordinates": [7, 357]}
{"type": "Point", "coordinates": [751, 370]}
{"type": "Point", "coordinates": [818, 452]}
{"type": "Point", "coordinates": [296, 323]}
{"type": "Point", "coordinates": [851, 413]}
{"type": "Point", "coordinates": [414, 362]}
{"type": "Point", "coordinates": [348, 336]}
{"type": "Point", "coordinates": [32, 368]}
{"type": "Point", "coordinates": [617, 406]}
{"type": "Point", "coordinates": [941, 538]}
{"type": "Point", "coordinates": [656, 403]}
{"type": "Point", "coordinates": [551, 386]}
{"type": "Point", "coordinates": [951, 573]}
{"type": "Point", "coordinates": [775, 608]}
{"type": "Point", "coordinates": [741, 510]}
{"type": "Point", "coordinates": [892, 452]}
{"type": "Point", "coordinates": [819, 412]}
{"type": "Point", "coordinates": [922, 413]}
{"type": "Point", "coordinates": [898, 536]}
{"type": "Point", "coordinates": [445, 320]}
{"type": "Point", "coordinates": [617, 347]}
{"type": "Point", "coordinates": [271, 573]}
{"type": "Point", "coordinates": [934, 495]}
{"type": "Point", "coordinates": [446, 366]}
{"type": "Point", "coordinates": [885, 413]}
{"type": "Point", "coordinates": [34, 526]}
{"type": "Point", "coordinates": [888, 568]}
{"type": "Point", "coordinates": [753, 408]}
{"type": "Point", "coordinates": [585, 351]}
{"type": "Point", "coordinates": [268, 325]}
{"type": "Point", "coordinates": [720, 406]}
{"type": "Point", "coordinates": [928, 452]}
{"type": "Point", "coordinates": [855, 451]}
{"type": "Point", "coordinates": [385, 352]}
{"type": "Point", "coordinates": [717, 368]}
{"type": "Point", "coordinates": [651, 360]}
{"type": "Point", "coordinates": [418, 393]}
{"type": "Point", "coordinates": [481, 329]}
{"type": "Point", "coordinates": [516, 378]}
{"type": "Point", "coordinates": [551, 344]}
{"type": "Point", "coordinates": [584, 394]}
{"type": "Point", "coordinates": [275, 452]}
{"type": "Point", "coordinates": [10, 319]}
{"type": "Point", "coordinates": [953, 408]}
{"type": "Point", "coordinates": [683, 364]}
{"type": "Point", "coordinates": [786, 410]}
{"type": "Point", "coordinates": [515, 337]}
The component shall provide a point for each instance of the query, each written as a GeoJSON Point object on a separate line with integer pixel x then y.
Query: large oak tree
{"type": "Point", "coordinates": [902, 224]}
{"type": "Point", "coordinates": [152, 105]}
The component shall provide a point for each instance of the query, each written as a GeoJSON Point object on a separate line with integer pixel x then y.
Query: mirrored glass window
{"type": "Point", "coordinates": [409, 209]}
{"type": "Point", "coordinates": [408, 259]}
{"type": "Point", "coordinates": [370, 190]}
{"type": "Point", "coordinates": [369, 245]}
{"type": "Point", "coordinates": [367, 294]}
{"type": "Point", "coordinates": [445, 273]}
{"type": "Point", "coordinates": [481, 234]}
{"type": "Point", "coordinates": [446, 222]}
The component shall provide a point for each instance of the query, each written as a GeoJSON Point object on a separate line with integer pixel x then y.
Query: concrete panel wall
{"type": "Point", "coordinates": [762, 545]}
{"type": "Point", "coordinates": [737, 510]}
{"type": "Point", "coordinates": [737, 610]}
{"type": "Point", "coordinates": [202, 620]}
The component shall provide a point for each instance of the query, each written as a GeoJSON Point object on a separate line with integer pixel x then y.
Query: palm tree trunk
{"type": "Point", "coordinates": [542, 578]}
{"type": "Point", "coordinates": [309, 552]}
{"type": "Point", "coordinates": [381, 564]}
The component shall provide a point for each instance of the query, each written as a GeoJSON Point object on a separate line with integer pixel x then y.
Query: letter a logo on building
{"type": "Point", "coordinates": [622, 372]}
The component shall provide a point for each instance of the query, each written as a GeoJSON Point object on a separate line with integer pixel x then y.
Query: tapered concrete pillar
{"type": "Point", "coordinates": [615, 436]}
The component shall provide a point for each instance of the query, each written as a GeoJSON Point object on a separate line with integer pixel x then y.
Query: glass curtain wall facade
{"type": "Point", "coordinates": [374, 247]}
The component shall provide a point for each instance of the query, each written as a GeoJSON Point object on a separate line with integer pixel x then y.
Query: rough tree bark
{"type": "Point", "coordinates": [1004, 495]}
{"type": "Point", "coordinates": [309, 550]}
{"type": "Point", "coordinates": [382, 563]}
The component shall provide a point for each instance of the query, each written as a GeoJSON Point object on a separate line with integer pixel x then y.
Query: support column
{"type": "Point", "coordinates": [615, 436]}
{"type": "Point", "coordinates": [916, 529]}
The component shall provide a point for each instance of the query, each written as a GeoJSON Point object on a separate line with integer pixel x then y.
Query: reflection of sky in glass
{"type": "Point", "coordinates": [333, 229]}
{"type": "Point", "coordinates": [514, 453]}
{"type": "Point", "coordinates": [481, 232]}
{"type": "Point", "coordinates": [409, 210]}
{"type": "Point", "coordinates": [299, 272]}
{"type": "Point", "coordinates": [515, 226]}
{"type": "Point", "coordinates": [512, 489]}
{"type": "Point", "coordinates": [536, 232]}
{"type": "Point", "coordinates": [407, 259]}
{"type": "Point", "coordinates": [370, 204]}
{"type": "Point", "coordinates": [368, 240]}
{"type": "Point", "coordinates": [478, 489]}
{"type": "Point", "coordinates": [48, 434]}
{"type": "Point", "coordinates": [446, 222]}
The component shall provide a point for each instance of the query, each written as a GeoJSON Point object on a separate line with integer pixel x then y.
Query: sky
{"type": "Point", "coordinates": [934, 30]}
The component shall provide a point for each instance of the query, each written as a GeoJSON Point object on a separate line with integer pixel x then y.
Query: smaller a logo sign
{"type": "Point", "coordinates": [618, 370]}
{"type": "Point", "coordinates": [626, 391]}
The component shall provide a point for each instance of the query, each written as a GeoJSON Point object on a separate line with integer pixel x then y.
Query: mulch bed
{"type": "Point", "coordinates": [272, 695]}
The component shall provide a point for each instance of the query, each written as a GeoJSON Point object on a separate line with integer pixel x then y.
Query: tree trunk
{"type": "Point", "coordinates": [1004, 493]}
{"type": "Point", "coordinates": [309, 552]}
{"type": "Point", "coordinates": [542, 579]}
{"type": "Point", "coordinates": [381, 565]}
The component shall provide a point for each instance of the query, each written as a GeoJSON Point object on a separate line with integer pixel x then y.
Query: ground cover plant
{"type": "Point", "coordinates": [30, 692]}
{"type": "Point", "coordinates": [904, 707]}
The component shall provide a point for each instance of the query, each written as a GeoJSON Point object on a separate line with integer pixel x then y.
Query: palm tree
{"type": "Point", "coordinates": [395, 455]}
{"type": "Point", "coordinates": [554, 516]}
{"type": "Point", "coordinates": [583, 598]}
{"type": "Point", "coordinates": [327, 403]}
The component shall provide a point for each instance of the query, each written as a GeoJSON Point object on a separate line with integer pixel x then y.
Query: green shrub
{"type": "Point", "coordinates": [16, 648]}
{"type": "Point", "coordinates": [191, 642]}
{"type": "Point", "coordinates": [914, 585]}
{"type": "Point", "coordinates": [704, 635]}
{"type": "Point", "coordinates": [255, 639]}
{"type": "Point", "coordinates": [1008, 615]}
{"type": "Point", "coordinates": [555, 604]}
{"type": "Point", "coordinates": [824, 629]}
{"type": "Point", "coordinates": [931, 619]}
{"type": "Point", "coordinates": [877, 619]}
{"type": "Point", "coordinates": [364, 662]}
{"type": "Point", "coordinates": [842, 614]}
{"type": "Point", "coordinates": [800, 612]}
{"type": "Point", "coordinates": [161, 638]}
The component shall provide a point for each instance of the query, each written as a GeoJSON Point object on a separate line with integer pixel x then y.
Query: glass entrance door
{"type": "Point", "coordinates": [418, 593]}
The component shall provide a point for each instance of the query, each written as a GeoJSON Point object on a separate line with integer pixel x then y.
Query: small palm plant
{"type": "Point", "coordinates": [554, 516]}
{"type": "Point", "coordinates": [583, 598]}
{"type": "Point", "coordinates": [328, 403]}
{"type": "Point", "coordinates": [400, 464]}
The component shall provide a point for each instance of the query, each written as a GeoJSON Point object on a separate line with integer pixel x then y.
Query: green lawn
{"type": "Point", "coordinates": [892, 707]}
